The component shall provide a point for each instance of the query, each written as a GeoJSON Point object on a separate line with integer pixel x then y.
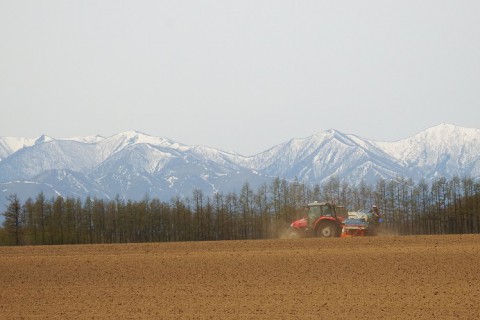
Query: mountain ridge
{"type": "Point", "coordinates": [133, 164]}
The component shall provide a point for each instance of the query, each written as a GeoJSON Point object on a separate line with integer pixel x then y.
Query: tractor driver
{"type": "Point", "coordinates": [375, 216]}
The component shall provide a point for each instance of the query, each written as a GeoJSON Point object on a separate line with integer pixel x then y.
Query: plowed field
{"type": "Point", "coordinates": [421, 277]}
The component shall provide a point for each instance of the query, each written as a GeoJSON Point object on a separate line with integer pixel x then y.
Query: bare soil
{"type": "Point", "coordinates": [418, 277]}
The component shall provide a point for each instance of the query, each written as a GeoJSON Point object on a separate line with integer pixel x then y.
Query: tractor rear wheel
{"type": "Point", "coordinates": [326, 230]}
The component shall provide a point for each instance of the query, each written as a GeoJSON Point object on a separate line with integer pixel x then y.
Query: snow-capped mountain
{"type": "Point", "coordinates": [326, 155]}
{"type": "Point", "coordinates": [10, 145]}
{"type": "Point", "coordinates": [444, 150]}
{"type": "Point", "coordinates": [129, 164]}
{"type": "Point", "coordinates": [133, 165]}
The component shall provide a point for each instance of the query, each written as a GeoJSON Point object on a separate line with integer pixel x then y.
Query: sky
{"type": "Point", "coordinates": [239, 76]}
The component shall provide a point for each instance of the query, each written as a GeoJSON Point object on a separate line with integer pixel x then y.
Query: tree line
{"type": "Point", "coordinates": [441, 207]}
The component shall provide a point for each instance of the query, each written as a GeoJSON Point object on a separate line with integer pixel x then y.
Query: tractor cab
{"type": "Point", "coordinates": [317, 209]}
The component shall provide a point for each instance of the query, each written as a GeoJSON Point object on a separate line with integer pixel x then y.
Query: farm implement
{"type": "Point", "coordinates": [323, 219]}
{"type": "Point", "coordinates": [358, 224]}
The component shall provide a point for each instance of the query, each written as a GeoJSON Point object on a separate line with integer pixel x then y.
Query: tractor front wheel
{"type": "Point", "coordinates": [327, 230]}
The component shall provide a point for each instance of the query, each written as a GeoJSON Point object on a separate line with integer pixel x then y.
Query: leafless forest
{"type": "Point", "coordinates": [407, 208]}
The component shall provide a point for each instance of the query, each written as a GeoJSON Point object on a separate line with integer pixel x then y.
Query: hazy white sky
{"type": "Point", "coordinates": [238, 75]}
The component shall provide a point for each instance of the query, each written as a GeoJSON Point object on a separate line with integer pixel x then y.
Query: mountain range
{"type": "Point", "coordinates": [132, 164]}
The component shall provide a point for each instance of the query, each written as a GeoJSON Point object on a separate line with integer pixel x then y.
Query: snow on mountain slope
{"type": "Point", "coordinates": [72, 154]}
{"type": "Point", "coordinates": [10, 145]}
{"type": "Point", "coordinates": [25, 190]}
{"type": "Point", "coordinates": [142, 169]}
{"type": "Point", "coordinates": [52, 155]}
{"type": "Point", "coordinates": [325, 155]}
{"type": "Point", "coordinates": [132, 164]}
{"type": "Point", "coordinates": [68, 182]}
{"type": "Point", "coordinates": [443, 150]}
{"type": "Point", "coordinates": [111, 145]}
{"type": "Point", "coordinates": [86, 139]}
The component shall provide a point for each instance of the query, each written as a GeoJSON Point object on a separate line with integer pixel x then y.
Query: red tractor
{"type": "Point", "coordinates": [321, 219]}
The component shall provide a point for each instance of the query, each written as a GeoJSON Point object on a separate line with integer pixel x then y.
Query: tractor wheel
{"type": "Point", "coordinates": [326, 230]}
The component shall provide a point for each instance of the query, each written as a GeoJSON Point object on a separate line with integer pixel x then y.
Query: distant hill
{"type": "Point", "coordinates": [132, 164]}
